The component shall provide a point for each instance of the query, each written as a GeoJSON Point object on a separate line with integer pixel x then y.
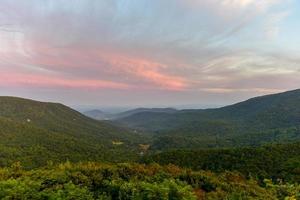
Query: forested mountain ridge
{"type": "Point", "coordinates": [55, 117]}
{"type": "Point", "coordinates": [36, 132]}
{"type": "Point", "coordinates": [259, 120]}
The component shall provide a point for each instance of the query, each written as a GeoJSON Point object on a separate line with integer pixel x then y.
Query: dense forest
{"type": "Point", "coordinates": [276, 162]}
{"type": "Point", "coordinates": [134, 181]}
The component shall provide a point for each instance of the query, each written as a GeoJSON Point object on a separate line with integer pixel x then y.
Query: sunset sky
{"type": "Point", "coordinates": [148, 52]}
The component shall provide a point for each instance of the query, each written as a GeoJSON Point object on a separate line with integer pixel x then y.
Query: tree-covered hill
{"type": "Point", "coordinates": [271, 118]}
{"type": "Point", "coordinates": [36, 132]}
{"type": "Point", "coordinates": [277, 161]}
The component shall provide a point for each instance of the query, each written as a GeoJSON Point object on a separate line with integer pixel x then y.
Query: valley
{"type": "Point", "coordinates": [192, 154]}
{"type": "Point", "coordinates": [261, 120]}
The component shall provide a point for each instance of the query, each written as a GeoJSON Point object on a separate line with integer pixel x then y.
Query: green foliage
{"type": "Point", "coordinates": [271, 161]}
{"type": "Point", "coordinates": [132, 181]}
{"type": "Point", "coordinates": [284, 191]}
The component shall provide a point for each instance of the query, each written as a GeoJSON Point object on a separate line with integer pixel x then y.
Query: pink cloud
{"type": "Point", "coordinates": [147, 73]}
{"type": "Point", "coordinates": [16, 80]}
{"type": "Point", "coordinates": [147, 70]}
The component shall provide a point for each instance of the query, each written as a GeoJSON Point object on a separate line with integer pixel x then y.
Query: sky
{"type": "Point", "coordinates": [148, 53]}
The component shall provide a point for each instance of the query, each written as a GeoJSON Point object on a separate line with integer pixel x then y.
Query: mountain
{"type": "Point", "coordinates": [100, 115]}
{"type": "Point", "coordinates": [143, 110]}
{"type": "Point", "coordinates": [36, 132]}
{"type": "Point", "coordinates": [270, 118]}
{"type": "Point", "coordinates": [97, 114]}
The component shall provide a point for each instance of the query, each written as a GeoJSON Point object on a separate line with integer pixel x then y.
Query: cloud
{"type": "Point", "coordinates": [237, 90]}
{"type": "Point", "coordinates": [146, 70]}
{"type": "Point", "coordinates": [40, 81]}
{"type": "Point", "coordinates": [261, 5]}
{"type": "Point", "coordinates": [99, 65]}
{"type": "Point", "coordinates": [178, 46]}
{"type": "Point", "coordinates": [272, 24]}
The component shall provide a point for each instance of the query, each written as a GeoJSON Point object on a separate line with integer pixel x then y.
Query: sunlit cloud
{"type": "Point", "coordinates": [211, 46]}
{"type": "Point", "coordinates": [40, 81]}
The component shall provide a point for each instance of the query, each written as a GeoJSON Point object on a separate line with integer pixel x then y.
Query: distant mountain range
{"type": "Point", "coordinates": [100, 115]}
{"type": "Point", "coordinates": [34, 132]}
{"type": "Point", "coordinates": [270, 118]}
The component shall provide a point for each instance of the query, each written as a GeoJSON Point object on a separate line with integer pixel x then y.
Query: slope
{"type": "Point", "coordinates": [32, 131]}
{"type": "Point", "coordinates": [255, 121]}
